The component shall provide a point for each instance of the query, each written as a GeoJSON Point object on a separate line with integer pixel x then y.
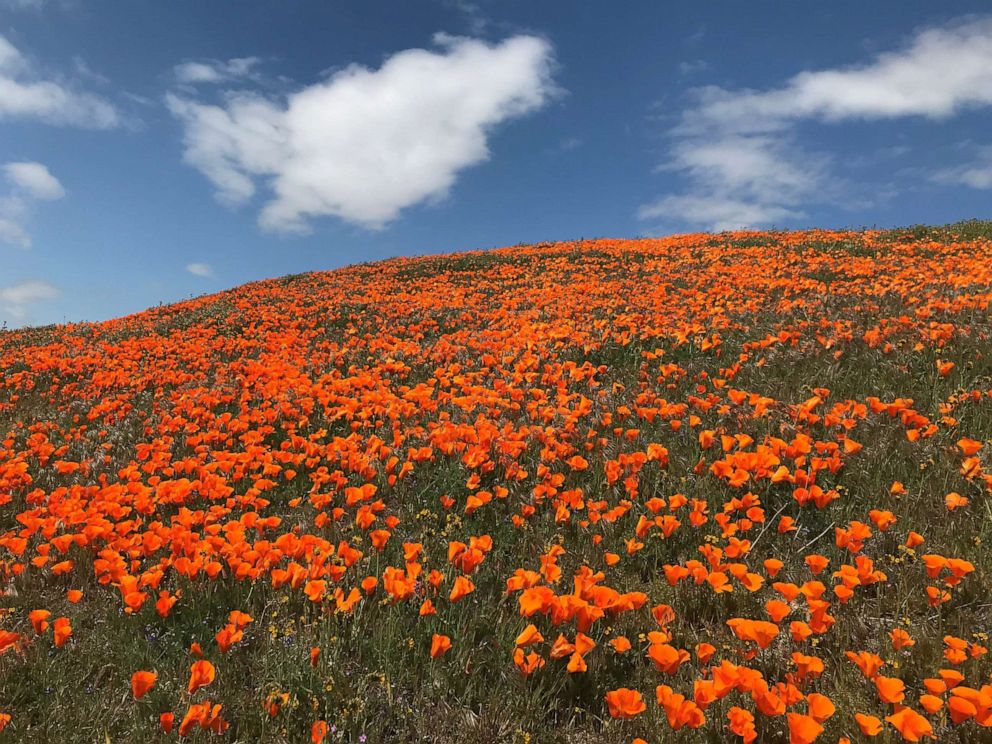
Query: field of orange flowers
{"type": "Point", "coordinates": [722, 487]}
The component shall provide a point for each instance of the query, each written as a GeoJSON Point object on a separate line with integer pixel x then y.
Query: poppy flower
{"type": "Point", "coordinates": [890, 689]}
{"type": "Point", "coordinates": [786, 524]}
{"type": "Point", "coordinates": [625, 703]}
{"type": "Point", "coordinates": [62, 632]}
{"type": "Point", "coordinates": [39, 620]}
{"type": "Point", "coordinates": [867, 662]}
{"type": "Point", "coordinates": [758, 631]}
{"type": "Point", "coordinates": [803, 729]}
{"type": "Point", "coordinates": [705, 651]}
{"type": "Point", "coordinates": [202, 673]}
{"type": "Point", "coordinates": [318, 731]}
{"type": "Point", "coordinates": [741, 723]}
{"type": "Point", "coordinates": [955, 500]}
{"type": "Point", "coordinates": [667, 658]}
{"type": "Point", "coordinates": [931, 704]}
{"type": "Point", "coordinates": [816, 563]}
{"type": "Point", "coordinates": [142, 682]}
{"type": "Point", "coordinates": [620, 644]}
{"type": "Point", "coordinates": [968, 446]}
{"type": "Point", "coordinates": [910, 724]}
{"type": "Point", "coordinates": [440, 645]}
{"type": "Point", "coordinates": [820, 707]}
{"type": "Point", "coordinates": [869, 725]}
{"type": "Point", "coordinates": [576, 663]}
{"type": "Point", "coordinates": [679, 711]}
{"type": "Point", "coordinates": [914, 540]}
{"type": "Point", "coordinates": [528, 636]}
{"type": "Point", "coordinates": [527, 663]}
{"type": "Point", "coordinates": [562, 647]}
{"type": "Point", "coordinates": [462, 587]}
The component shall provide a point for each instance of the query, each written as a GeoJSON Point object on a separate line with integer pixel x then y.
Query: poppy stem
{"type": "Point", "coordinates": [825, 531]}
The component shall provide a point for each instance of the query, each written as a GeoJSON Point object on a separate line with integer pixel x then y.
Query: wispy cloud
{"type": "Point", "coordinates": [477, 19]}
{"type": "Point", "coordinates": [26, 94]}
{"type": "Point", "coordinates": [365, 144]}
{"type": "Point", "coordinates": [28, 182]}
{"type": "Point", "coordinates": [214, 71]}
{"type": "Point", "coordinates": [11, 230]}
{"type": "Point", "coordinates": [692, 66]}
{"type": "Point", "coordinates": [34, 179]}
{"type": "Point", "coordinates": [738, 150]}
{"type": "Point", "coordinates": [977, 173]}
{"type": "Point", "coordinates": [200, 269]}
{"type": "Point", "coordinates": [17, 299]}
{"type": "Point", "coordinates": [22, 4]}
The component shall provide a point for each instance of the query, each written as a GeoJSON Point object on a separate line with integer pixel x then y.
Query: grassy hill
{"type": "Point", "coordinates": [729, 486]}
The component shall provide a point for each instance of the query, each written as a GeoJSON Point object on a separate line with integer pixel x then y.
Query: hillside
{"type": "Point", "coordinates": [733, 486]}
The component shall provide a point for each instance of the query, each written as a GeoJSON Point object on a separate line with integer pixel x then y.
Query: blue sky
{"type": "Point", "coordinates": [151, 151]}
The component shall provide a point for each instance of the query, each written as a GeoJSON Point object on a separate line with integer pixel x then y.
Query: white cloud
{"type": "Point", "coordinates": [30, 291]}
{"type": "Point", "coordinates": [25, 94]}
{"type": "Point", "coordinates": [35, 179]}
{"type": "Point", "coordinates": [29, 182]}
{"type": "Point", "coordinates": [762, 168]}
{"type": "Point", "coordinates": [16, 299]}
{"type": "Point", "coordinates": [365, 144]}
{"type": "Point", "coordinates": [977, 174]}
{"type": "Point", "coordinates": [736, 148]}
{"type": "Point", "coordinates": [718, 212]}
{"type": "Point", "coordinates": [215, 71]}
{"type": "Point", "coordinates": [939, 73]}
{"type": "Point", "coordinates": [10, 58]}
{"type": "Point", "coordinates": [23, 4]}
{"type": "Point", "coordinates": [200, 269]}
{"type": "Point", "coordinates": [690, 67]}
{"type": "Point", "coordinates": [12, 233]}
{"type": "Point", "coordinates": [88, 73]}
{"type": "Point", "coordinates": [741, 181]}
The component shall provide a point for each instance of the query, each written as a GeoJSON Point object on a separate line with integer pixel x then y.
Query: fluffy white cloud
{"type": "Point", "coordinates": [200, 269]}
{"type": "Point", "coordinates": [29, 182]}
{"type": "Point", "coordinates": [365, 144]}
{"type": "Point", "coordinates": [35, 179]}
{"type": "Point", "coordinates": [215, 71]}
{"type": "Point", "coordinates": [16, 299]}
{"type": "Point", "coordinates": [25, 94]}
{"type": "Point", "coordinates": [736, 148]}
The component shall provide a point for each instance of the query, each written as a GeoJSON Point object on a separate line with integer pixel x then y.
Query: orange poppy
{"type": "Point", "coordinates": [202, 673]}
{"type": "Point", "coordinates": [440, 645]}
{"type": "Point", "coordinates": [625, 703]}
{"type": "Point", "coordinates": [142, 682]}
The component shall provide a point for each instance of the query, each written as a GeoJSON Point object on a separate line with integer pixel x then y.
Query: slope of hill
{"type": "Point", "coordinates": [733, 486]}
